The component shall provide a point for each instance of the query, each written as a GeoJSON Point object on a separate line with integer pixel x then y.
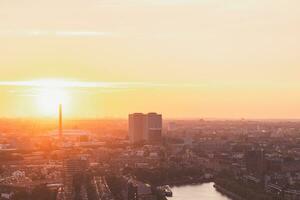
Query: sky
{"type": "Point", "coordinates": [181, 58]}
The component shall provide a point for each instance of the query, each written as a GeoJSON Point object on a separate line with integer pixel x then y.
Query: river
{"type": "Point", "coordinates": [204, 191]}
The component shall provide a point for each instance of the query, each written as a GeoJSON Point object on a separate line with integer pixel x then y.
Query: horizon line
{"type": "Point", "coordinates": [168, 118]}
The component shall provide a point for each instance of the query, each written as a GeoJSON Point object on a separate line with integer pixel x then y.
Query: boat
{"type": "Point", "coordinates": [166, 190]}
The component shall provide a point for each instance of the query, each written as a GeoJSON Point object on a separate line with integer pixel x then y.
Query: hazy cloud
{"type": "Point", "coordinates": [147, 2]}
{"type": "Point", "coordinates": [77, 84]}
{"type": "Point", "coordinates": [83, 84]}
{"type": "Point", "coordinates": [42, 33]}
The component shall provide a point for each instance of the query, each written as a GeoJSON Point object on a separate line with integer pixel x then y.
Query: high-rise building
{"type": "Point", "coordinates": [255, 161]}
{"type": "Point", "coordinates": [132, 192]}
{"type": "Point", "coordinates": [153, 127]}
{"type": "Point", "coordinates": [136, 127]}
{"type": "Point", "coordinates": [145, 127]}
{"type": "Point", "coordinates": [72, 167]}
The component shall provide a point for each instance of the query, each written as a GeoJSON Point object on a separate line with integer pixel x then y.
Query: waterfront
{"type": "Point", "coordinates": [204, 191]}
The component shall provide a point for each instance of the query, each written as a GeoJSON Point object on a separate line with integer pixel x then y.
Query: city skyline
{"type": "Point", "coordinates": [149, 100]}
{"type": "Point", "coordinates": [211, 59]}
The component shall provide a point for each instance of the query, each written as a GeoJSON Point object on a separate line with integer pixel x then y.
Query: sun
{"type": "Point", "coordinates": [49, 98]}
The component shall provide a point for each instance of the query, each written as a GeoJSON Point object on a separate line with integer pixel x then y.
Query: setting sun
{"type": "Point", "coordinates": [48, 99]}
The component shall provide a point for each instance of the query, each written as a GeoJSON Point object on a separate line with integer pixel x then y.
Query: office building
{"type": "Point", "coordinates": [72, 167]}
{"type": "Point", "coordinates": [136, 127]}
{"type": "Point", "coordinates": [255, 161]}
{"type": "Point", "coordinates": [153, 127]}
{"type": "Point", "coordinates": [145, 127]}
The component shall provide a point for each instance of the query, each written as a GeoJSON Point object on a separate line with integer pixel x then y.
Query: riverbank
{"type": "Point", "coordinates": [187, 181]}
{"type": "Point", "coordinates": [228, 193]}
{"type": "Point", "coordinates": [241, 190]}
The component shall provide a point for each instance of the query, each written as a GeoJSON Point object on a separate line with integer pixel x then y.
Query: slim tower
{"type": "Point", "coordinates": [60, 122]}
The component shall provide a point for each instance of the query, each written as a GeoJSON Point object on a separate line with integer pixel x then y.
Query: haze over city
{"type": "Point", "coordinates": [186, 59]}
{"type": "Point", "coordinates": [149, 100]}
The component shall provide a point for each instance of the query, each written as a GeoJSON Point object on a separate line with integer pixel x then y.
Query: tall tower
{"type": "Point", "coordinates": [60, 122]}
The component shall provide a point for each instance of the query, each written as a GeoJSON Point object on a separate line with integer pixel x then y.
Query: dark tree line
{"type": "Point", "coordinates": [38, 193]}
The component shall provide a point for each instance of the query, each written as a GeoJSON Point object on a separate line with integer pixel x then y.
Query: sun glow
{"type": "Point", "coordinates": [48, 98]}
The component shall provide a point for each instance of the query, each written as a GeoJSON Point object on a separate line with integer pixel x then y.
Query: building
{"type": "Point", "coordinates": [136, 124]}
{"type": "Point", "coordinates": [72, 167]}
{"type": "Point", "coordinates": [70, 137]}
{"type": "Point", "coordinates": [145, 127]}
{"type": "Point", "coordinates": [153, 127]}
{"type": "Point", "coordinates": [255, 162]}
{"type": "Point", "coordinates": [137, 190]}
{"type": "Point", "coordinates": [132, 192]}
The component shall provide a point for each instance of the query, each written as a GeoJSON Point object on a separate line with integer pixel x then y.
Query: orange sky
{"type": "Point", "coordinates": [182, 58]}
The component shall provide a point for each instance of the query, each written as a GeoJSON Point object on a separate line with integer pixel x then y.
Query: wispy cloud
{"type": "Point", "coordinates": [120, 86]}
{"type": "Point", "coordinates": [42, 33]}
{"type": "Point", "coordinates": [77, 84]}
{"type": "Point", "coordinates": [83, 84]}
{"type": "Point", "coordinates": [82, 33]}
{"type": "Point", "coordinates": [58, 83]}
{"type": "Point", "coordinates": [147, 2]}
{"type": "Point", "coordinates": [171, 2]}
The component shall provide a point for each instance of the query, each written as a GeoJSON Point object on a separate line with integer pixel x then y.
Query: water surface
{"type": "Point", "coordinates": [204, 191]}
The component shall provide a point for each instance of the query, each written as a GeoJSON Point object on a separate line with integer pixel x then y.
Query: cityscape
{"type": "Point", "coordinates": [150, 158]}
{"type": "Point", "coordinates": [149, 100]}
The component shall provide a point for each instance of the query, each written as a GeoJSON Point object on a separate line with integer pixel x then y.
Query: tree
{"type": "Point", "coordinates": [42, 193]}
{"type": "Point", "coordinates": [21, 195]}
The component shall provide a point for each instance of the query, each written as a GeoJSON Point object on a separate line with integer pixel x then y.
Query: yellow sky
{"type": "Point", "coordinates": [182, 58]}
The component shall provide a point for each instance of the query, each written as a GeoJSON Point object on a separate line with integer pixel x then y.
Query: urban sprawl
{"type": "Point", "coordinates": [143, 157]}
